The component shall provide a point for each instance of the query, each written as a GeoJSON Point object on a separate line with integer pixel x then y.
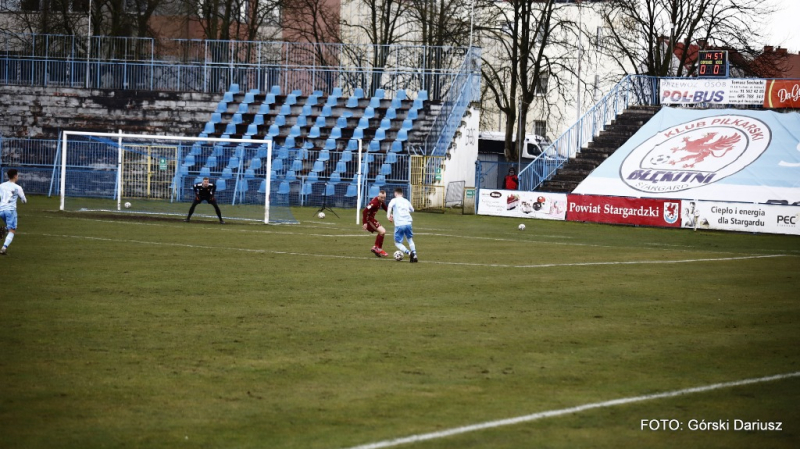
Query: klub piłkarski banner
{"type": "Point", "coordinates": [714, 155]}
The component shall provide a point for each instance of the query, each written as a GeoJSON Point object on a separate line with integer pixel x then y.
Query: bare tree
{"type": "Point", "coordinates": [532, 57]}
{"type": "Point", "coordinates": [643, 35]}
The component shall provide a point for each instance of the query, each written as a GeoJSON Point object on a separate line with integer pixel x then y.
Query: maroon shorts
{"type": "Point", "coordinates": [373, 225]}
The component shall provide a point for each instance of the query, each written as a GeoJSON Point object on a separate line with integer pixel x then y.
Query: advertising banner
{"type": "Point", "coordinates": [713, 91]}
{"type": "Point", "coordinates": [617, 210]}
{"type": "Point", "coordinates": [512, 203]}
{"type": "Point", "coordinates": [782, 94]}
{"type": "Point", "coordinates": [714, 155]}
{"type": "Point", "coordinates": [766, 218]}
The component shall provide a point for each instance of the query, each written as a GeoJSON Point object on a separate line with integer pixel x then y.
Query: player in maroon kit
{"type": "Point", "coordinates": [372, 225]}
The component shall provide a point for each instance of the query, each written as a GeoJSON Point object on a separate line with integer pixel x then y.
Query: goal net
{"type": "Point", "coordinates": [154, 175]}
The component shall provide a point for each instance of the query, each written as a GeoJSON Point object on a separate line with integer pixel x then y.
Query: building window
{"type": "Point", "coordinates": [541, 86]}
{"type": "Point", "coordinates": [540, 128]}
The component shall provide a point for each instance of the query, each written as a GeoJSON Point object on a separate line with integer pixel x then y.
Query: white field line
{"type": "Point", "coordinates": [566, 411]}
{"type": "Point", "coordinates": [333, 256]}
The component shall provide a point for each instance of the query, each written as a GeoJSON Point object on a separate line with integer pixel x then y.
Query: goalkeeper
{"type": "Point", "coordinates": [204, 191]}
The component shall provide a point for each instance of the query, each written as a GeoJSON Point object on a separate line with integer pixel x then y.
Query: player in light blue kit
{"type": "Point", "coordinates": [9, 192]}
{"type": "Point", "coordinates": [399, 212]}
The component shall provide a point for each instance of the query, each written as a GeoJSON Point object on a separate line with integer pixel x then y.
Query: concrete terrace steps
{"type": "Point", "coordinates": [599, 149]}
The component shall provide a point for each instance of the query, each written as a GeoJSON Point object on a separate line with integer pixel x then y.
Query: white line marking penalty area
{"type": "Point", "coordinates": [437, 262]}
{"type": "Point", "coordinates": [566, 411]}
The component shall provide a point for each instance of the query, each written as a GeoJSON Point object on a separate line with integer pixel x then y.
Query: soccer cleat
{"type": "Point", "coordinates": [376, 251]}
{"type": "Point", "coordinates": [186, 220]}
{"type": "Point", "coordinates": [382, 253]}
{"type": "Point", "coordinates": [3, 250]}
{"type": "Point", "coordinates": [414, 257]}
{"type": "Point", "coordinates": [222, 222]}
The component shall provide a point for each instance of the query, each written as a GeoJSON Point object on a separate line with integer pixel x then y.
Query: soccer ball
{"type": "Point", "coordinates": [127, 205]}
{"type": "Point", "coordinates": [521, 227]}
{"type": "Point", "coordinates": [398, 256]}
{"type": "Point", "coordinates": [321, 215]}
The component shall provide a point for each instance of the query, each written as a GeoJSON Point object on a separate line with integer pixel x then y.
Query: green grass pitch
{"type": "Point", "coordinates": [126, 332]}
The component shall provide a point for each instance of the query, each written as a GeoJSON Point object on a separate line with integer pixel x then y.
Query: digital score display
{"type": "Point", "coordinates": [712, 64]}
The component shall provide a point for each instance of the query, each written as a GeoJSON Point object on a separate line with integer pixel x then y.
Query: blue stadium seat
{"type": "Point", "coordinates": [380, 135]}
{"type": "Point", "coordinates": [314, 132]}
{"type": "Point", "coordinates": [412, 114]}
{"type": "Point", "coordinates": [330, 189]}
{"type": "Point", "coordinates": [290, 100]}
{"type": "Point", "coordinates": [227, 173]}
{"type": "Point", "coordinates": [337, 92]}
{"type": "Point", "coordinates": [321, 122]}
{"type": "Point", "coordinates": [290, 142]}
{"type": "Point", "coordinates": [358, 134]}
{"type": "Point", "coordinates": [211, 162]}
{"type": "Point", "coordinates": [280, 120]}
{"type": "Point", "coordinates": [326, 111]}
{"type": "Point", "coordinates": [283, 152]}
{"type": "Point", "coordinates": [216, 117]}
{"type": "Point", "coordinates": [347, 156]}
{"type": "Point", "coordinates": [297, 92]}
{"type": "Point", "coordinates": [317, 93]}
{"type": "Point", "coordinates": [312, 100]}
{"type": "Point", "coordinates": [335, 177]}
{"type": "Point", "coordinates": [290, 176]}
{"type": "Point", "coordinates": [276, 90]}
{"type": "Point", "coordinates": [397, 147]}
{"type": "Point", "coordinates": [318, 166]}
{"type": "Point", "coordinates": [422, 95]}
{"type": "Point", "coordinates": [197, 180]}
{"type": "Point", "coordinates": [197, 148]}
{"type": "Point", "coordinates": [332, 101]}
{"type": "Point", "coordinates": [352, 102]}
{"type": "Point", "coordinates": [391, 158]}
{"type": "Point", "coordinates": [374, 146]}
{"type": "Point", "coordinates": [306, 109]}
{"type": "Point", "coordinates": [386, 124]}
{"type": "Point", "coordinates": [262, 151]}
{"type": "Point", "coordinates": [402, 135]}
{"type": "Point", "coordinates": [391, 114]}
{"type": "Point", "coordinates": [209, 129]}
{"type": "Point", "coordinates": [239, 151]}
{"type": "Point", "coordinates": [274, 130]}
{"type": "Point", "coordinates": [380, 94]}
{"type": "Point", "coordinates": [242, 186]}
{"type": "Point", "coordinates": [230, 128]}
{"type": "Point", "coordinates": [263, 109]}
{"type": "Point", "coordinates": [386, 169]}
{"type": "Point", "coordinates": [313, 176]}
{"type": "Point", "coordinates": [341, 122]}
{"type": "Point", "coordinates": [358, 92]}
{"type": "Point", "coordinates": [262, 186]}
{"type": "Point", "coordinates": [374, 190]}
{"type": "Point", "coordinates": [221, 185]}
{"type": "Point", "coordinates": [418, 104]}
{"type": "Point", "coordinates": [273, 176]}
{"type": "Point", "coordinates": [286, 109]}
{"type": "Point", "coordinates": [227, 97]}
{"type": "Point", "coordinates": [237, 118]}
{"type": "Point", "coordinates": [401, 94]}
{"type": "Point", "coordinates": [330, 144]}
{"type": "Point", "coordinates": [369, 113]}
{"type": "Point", "coordinates": [270, 99]}
{"type": "Point", "coordinates": [203, 134]}
{"type": "Point", "coordinates": [205, 171]}
{"type": "Point", "coordinates": [234, 88]}
{"type": "Point", "coordinates": [255, 91]}
{"type": "Point", "coordinates": [352, 190]}
{"type": "Point", "coordinates": [375, 102]}
{"type": "Point", "coordinates": [277, 165]}
{"type": "Point", "coordinates": [363, 123]}
{"type": "Point", "coordinates": [255, 163]}
{"type": "Point", "coordinates": [336, 133]}
{"type": "Point", "coordinates": [324, 156]}
{"type": "Point", "coordinates": [341, 166]}
{"type": "Point", "coordinates": [407, 124]}
{"type": "Point", "coordinates": [368, 159]}
{"type": "Point", "coordinates": [294, 131]}
{"type": "Point", "coordinates": [380, 180]}
{"type": "Point", "coordinates": [243, 108]}
{"type": "Point", "coordinates": [352, 144]}
{"type": "Point", "coordinates": [222, 107]}
{"type": "Point", "coordinates": [301, 120]}
{"type": "Point", "coordinates": [397, 103]}
{"type": "Point", "coordinates": [233, 163]}
{"type": "Point", "coordinates": [258, 120]}
{"type": "Point", "coordinates": [347, 113]}
{"type": "Point", "coordinates": [307, 188]}
{"type": "Point", "coordinates": [297, 165]}
{"type": "Point", "coordinates": [184, 170]}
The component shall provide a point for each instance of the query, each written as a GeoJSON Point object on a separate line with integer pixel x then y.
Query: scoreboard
{"type": "Point", "coordinates": [712, 64]}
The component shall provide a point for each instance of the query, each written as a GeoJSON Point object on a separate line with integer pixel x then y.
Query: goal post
{"type": "Point", "coordinates": [154, 174]}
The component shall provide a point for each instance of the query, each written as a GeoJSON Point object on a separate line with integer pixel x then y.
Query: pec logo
{"type": "Point", "coordinates": [695, 154]}
{"type": "Point", "coordinates": [787, 220]}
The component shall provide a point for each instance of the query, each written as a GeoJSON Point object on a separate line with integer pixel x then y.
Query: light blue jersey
{"type": "Point", "coordinates": [400, 210]}
{"type": "Point", "coordinates": [9, 192]}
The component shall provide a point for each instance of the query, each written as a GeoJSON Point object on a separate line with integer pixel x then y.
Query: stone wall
{"type": "Point", "coordinates": [40, 112]}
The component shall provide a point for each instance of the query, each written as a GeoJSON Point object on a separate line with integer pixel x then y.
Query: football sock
{"type": "Point", "coordinates": [401, 247]}
{"type": "Point", "coordinates": [411, 245]}
{"type": "Point", "coordinates": [9, 238]}
{"type": "Point", "coordinates": [379, 241]}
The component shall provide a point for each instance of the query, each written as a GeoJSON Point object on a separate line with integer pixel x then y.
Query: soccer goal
{"type": "Point", "coordinates": [154, 175]}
